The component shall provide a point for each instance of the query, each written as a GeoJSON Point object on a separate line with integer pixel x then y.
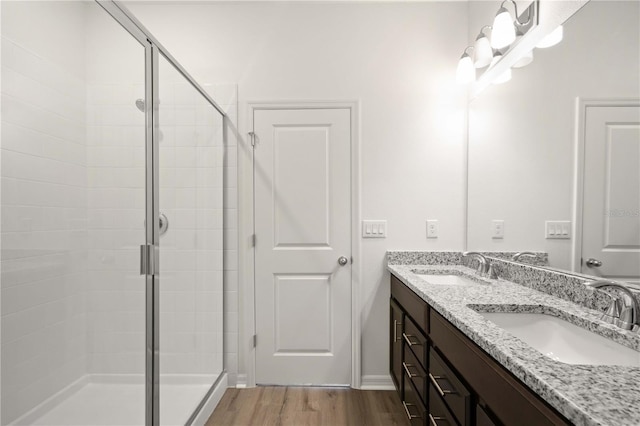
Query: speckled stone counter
{"type": "Point", "coordinates": [585, 394]}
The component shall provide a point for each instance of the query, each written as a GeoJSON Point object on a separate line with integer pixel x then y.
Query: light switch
{"type": "Point", "coordinates": [557, 229]}
{"type": "Point", "coordinates": [374, 229]}
{"type": "Point", "coordinates": [432, 228]}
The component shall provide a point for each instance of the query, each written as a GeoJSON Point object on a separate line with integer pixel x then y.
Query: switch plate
{"type": "Point", "coordinates": [497, 229]}
{"type": "Point", "coordinates": [432, 228]}
{"type": "Point", "coordinates": [557, 229]}
{"type": "Point", "coordinates": [374, 229]}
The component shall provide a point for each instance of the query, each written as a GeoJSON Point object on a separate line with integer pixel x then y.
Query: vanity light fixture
{"type": "Point", "coordinates": [482, 51]}
{"type": "Point", "coordinates": [505, 76]}
{"type": "Point", "coordinates": [503, 30]}
{"type": "Point", "coordinates": [466, 72]}
{"type": "Point", "coordinates": [525, 59]}
{"type": "Point", "coordinates": [552, 39]}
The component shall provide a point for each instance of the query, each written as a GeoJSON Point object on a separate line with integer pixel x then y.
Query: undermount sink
{"type": "Point", "coordinates": [451, 278]}
{"type": "Point", "coordinates": [563, 341]}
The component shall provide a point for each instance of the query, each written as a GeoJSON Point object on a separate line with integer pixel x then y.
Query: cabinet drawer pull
{"type": "Point", "coordinates": [433, 422]}
{"type": "Point", "coordinates": [409, 373]}
{"type": "Point", "coordinates": [406, 409]}
{"type": "Point", "coordinates": [396, 323]}
{"type": "Point", "coordinates": [434, 380]}
{"type": "Point", "coordinates": [406, 337]}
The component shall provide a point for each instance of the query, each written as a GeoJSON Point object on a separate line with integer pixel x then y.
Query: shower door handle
{"type": "Point", "coordinates": [149, 257]}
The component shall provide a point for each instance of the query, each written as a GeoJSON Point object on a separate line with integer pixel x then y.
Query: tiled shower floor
{"type": "Point", "coordinates": [123, 404]}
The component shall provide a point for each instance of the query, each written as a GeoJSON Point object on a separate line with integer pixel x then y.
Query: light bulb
{"type": "Point", "coordinates": [466, 72]}
{"type": "Point", "coordinates": [482, 52]}
{"type": "Point", "coordinates": [553, 38]}
{"type": "Point", "coordinates": [503, 32]}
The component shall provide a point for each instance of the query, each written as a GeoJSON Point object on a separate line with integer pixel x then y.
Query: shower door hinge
{"type": "Point", "coordinates": [252, 136]}
{"type": "Point", "coordinates": [255, 340]}
{"type": "Point", "coordinates": [149, 256]}
{"type": "Point", "coordinates": [253, 240]}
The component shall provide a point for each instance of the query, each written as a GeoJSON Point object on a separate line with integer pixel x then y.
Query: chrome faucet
{"type": "Point", "coordinates": [518, 255]}
{"type": "Point", "coordinates": [619, 313]}
{"type": "Point", "coordinates": [485, 267]}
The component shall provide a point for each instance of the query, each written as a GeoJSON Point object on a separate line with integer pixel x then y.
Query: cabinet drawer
{"type": "Point", "coordinates": [411, 303]}
{"type": "Point", "coordinates": [450, 388]}
{"type": "Point", "coordinates": [416, 374]}
{"type": "Point", "coordinates": [510, 401]}
{"type": "Point", "coordinates": [413, 406]}
{"type": "Point", "coordinates": [415, 340]}
{"type": "Point", "coordinates": [439, 414]}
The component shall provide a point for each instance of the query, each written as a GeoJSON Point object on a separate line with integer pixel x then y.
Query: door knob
{"type": "Point", "coordinates": [342, 260]}
{"type": "Point", "coordinates": [594, 263]}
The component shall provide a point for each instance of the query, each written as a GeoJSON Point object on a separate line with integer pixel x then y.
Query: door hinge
{"type": "Point", "coordinates": [252, 136]}
{"type": "Point", "coordinates": [253, 240]}
{"type": "Point", "coordinates": [149, 257]}
{"type": "Point", "coordinates": [255, 340]}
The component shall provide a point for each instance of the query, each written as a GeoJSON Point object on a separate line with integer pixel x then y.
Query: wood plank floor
{"type": "Point", "coordinates": [303, 406]}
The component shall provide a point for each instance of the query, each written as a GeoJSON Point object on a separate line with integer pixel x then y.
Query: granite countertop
{"type": "Point", "coordinates": [585, 394]}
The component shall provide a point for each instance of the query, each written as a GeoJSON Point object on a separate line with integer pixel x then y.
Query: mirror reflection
{"type": "Point", "coordinates": [555, 152]}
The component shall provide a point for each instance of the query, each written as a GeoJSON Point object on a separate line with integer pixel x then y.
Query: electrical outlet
{"type": "Point", "coordinates": [497, 229]}
{"type": "Point", "coordinates": [432, 228]}
{"type": "Point", "coordinates": [374, 229]}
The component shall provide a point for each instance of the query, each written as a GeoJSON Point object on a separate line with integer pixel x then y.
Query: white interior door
{"type": "Point", "coordinates": [302, 189]}
{"type": "Point", "coordinates": [611, 214]}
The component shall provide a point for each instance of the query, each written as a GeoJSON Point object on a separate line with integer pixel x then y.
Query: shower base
{"type": "Point", "coordinates": [118, 402]}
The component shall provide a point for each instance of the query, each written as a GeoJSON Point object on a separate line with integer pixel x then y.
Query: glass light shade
{"type": "Point", "coordinates": [553, 38]}
{"type": "Point", "coordinates": [503, 32]}
{"type": "Point", "coordinates": [482, 52]}
{"type": "Point", "coordinates": [466, 72]}
{"type": "Point", "coordinates": [525, 59]}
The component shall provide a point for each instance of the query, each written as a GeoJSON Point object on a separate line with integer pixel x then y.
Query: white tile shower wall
{"type": "Point", "coordinates": [44, 218]}
{"type": "Point", "coordinates": [191, 179]}
{"type": "Point", "coordinates": [115, 136]}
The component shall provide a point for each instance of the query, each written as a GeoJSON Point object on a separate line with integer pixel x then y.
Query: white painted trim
{"type": "Point", "coordinates": [211, 402]}
{"type": "Point", "coordinates": [241, 382]}
{"type": "Point", "coordinates": [373, 382]}
{"type": "Point", "coordinates": [582, 104]}
{"type": "Point", "coordinates": [245, 227]}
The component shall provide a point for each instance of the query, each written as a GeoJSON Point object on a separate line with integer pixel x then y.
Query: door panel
{"type": "Point", "coordinates": [611, 222]}
{"type": "Point", "coordinates": [302, 222]}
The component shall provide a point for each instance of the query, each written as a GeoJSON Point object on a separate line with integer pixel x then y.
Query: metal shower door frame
{"type": "Point", "coordinates": [150, 258]}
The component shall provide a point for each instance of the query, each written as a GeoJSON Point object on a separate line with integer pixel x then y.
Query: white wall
{"type": "Point", "coordinates": [398, 60]}
{"type": "Point", "coordinates": [521, 144]}
{"type": "Point", "coordinates": [44, 196]}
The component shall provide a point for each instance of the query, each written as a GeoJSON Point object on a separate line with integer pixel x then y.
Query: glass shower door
{"type": "Point", "coordinates": [73, 216]}
{"type": "Point", "coordinates": [190, 187]}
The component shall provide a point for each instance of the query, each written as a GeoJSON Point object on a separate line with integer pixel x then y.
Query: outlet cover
{"type": "Point", "coordinates": [497, 229]}
{"type": "Point", "coordinates": [432, 228]}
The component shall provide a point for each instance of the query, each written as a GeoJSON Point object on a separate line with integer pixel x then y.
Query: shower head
{"type": "Point", "coordinates": [140, 104]}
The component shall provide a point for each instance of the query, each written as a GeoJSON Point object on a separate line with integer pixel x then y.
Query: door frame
{"type": "Point", "coordinates": [582, 105]}
{"type": "Point", "coordinates": [246, 251]}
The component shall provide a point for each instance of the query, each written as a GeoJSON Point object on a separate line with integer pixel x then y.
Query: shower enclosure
{"type": "Point", "coordinates": [111, 227]}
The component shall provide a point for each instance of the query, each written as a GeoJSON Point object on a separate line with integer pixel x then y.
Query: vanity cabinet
{"type": "Point", "coordinates": [444, 378]}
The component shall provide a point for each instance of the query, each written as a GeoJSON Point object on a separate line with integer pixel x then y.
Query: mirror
{"type": "Point", "coordinates": [523, 165]}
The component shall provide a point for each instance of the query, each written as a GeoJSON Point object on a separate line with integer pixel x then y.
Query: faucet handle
{"type": "Point", "coordinates": [492, 272]}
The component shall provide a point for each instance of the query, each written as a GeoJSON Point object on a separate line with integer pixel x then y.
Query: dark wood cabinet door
{"type": "Point", "coordinates": [395, 337]}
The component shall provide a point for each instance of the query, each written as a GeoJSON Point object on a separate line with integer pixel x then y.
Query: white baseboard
{"type": "Point", "coordinates": [241, 381]}
{"type": "Point", "coordinates": [374, 382]}
{"type": "Point", "coordinates": [212, 402]}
